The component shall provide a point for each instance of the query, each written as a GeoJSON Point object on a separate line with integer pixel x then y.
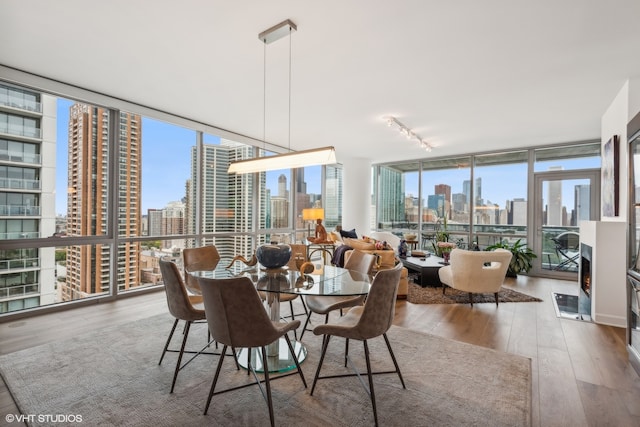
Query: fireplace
{"type": "Point", "coordinates": [584, 299]}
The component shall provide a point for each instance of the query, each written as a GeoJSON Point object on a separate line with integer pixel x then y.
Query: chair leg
{"type": "Point", "coordinates": [184, 342]}
{"type": "Point", "coordinates": [166, 346]}
{"type": "Point", "coordinates": [496, 295]}
{"type": "Point", "coordinates": [471, 298]}
{"type": "Point", "coordinates": [306, 323]}
{"type": "Point", "coordinates": [371, 392]}
{"type": "Point", "coordinates": [249, 361]}
{"type": "Point", "coordinates": [325, 344]}
{"type": "Point", "coordinates": [346, 351]}
{"type": "Point", "coordinates": [267, 385]}
{"type": "Point", "coordinates": [393, 357]}
{"type": "Point", "coordinates": [215, 379]}
{"type": "Point", "coordinates": [293, 317]}
{"type": "Point", "coordinates": [295, 359]}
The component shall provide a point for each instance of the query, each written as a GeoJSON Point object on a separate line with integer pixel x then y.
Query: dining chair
{"type": "Point", "coordinates": [237, 318]}
{"type": "Point", "coordinates": [358, 261]}
{"type": "Point", "coordinates": [181, 308]}
{"type": "Point", "coordinates": [298, 252]}
{"type": "Point", "coordinates": [363, 323]}
{"type": "Point", "coordinates": [203, 258]}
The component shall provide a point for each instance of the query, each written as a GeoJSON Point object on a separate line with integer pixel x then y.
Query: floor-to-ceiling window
{"type": "Point", "coordinates": [91, 196]}
{"type": "Point", "coordinates": [483, 199]}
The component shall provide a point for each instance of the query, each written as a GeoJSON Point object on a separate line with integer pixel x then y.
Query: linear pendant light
{"type": "Point", "coordinates": [292, 160]}
{"type": "Point", "coordinates": [297, 159]}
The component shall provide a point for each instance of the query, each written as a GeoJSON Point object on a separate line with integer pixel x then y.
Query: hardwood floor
{"type": "Point", "coordinates": [581, 374]}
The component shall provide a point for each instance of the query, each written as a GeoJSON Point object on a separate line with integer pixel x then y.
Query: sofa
{"type": "Point", "coordinates": [386, 258]}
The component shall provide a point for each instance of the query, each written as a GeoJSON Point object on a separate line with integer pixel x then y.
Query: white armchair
{"type": "Point", "coordinates": [476, 271]}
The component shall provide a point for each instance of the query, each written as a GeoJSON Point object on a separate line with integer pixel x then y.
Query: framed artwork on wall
{"type": "Point", "coordinates": [610, 177]}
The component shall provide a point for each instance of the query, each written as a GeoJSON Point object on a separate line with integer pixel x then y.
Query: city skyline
{"type": "Point", "coordinates": [165, 169]}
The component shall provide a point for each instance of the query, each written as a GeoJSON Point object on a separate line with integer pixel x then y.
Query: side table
{"type": "Point", "coordinates": [324, 248]}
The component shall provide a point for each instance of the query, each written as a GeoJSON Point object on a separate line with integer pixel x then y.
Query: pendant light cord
{"type": "Point", "coordinates": [289, 136]}
{"type": "Point", "coordinates": [264, 98]}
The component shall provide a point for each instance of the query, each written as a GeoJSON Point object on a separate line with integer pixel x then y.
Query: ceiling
{"type": "Point", "coordinates": [465, 75]}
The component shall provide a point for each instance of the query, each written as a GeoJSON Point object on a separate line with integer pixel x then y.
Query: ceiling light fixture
{"type": "Point", "coordinates": [297, 159]}
{"type": "Point", "coordinates": [392, 121]}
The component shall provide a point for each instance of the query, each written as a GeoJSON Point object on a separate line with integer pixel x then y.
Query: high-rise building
{"type": "Point", "coordinates": [154, 220]}
{"type": "Point", "coordinates": [555, 215]}
{"type": "Point", "coordinates": [173, 224]}
{"type": "Point", "coordinates": [27, 188]}
{"type": "Point", "coordinates": [445, 190]}
{"type": "Point", "coordinates": [582, 203]}
{"type": "Point", "coordinates": [333, 198]}
{"type": "Point", "coordinates": [88, 266]}
{"type": "Point", "coordinates": [227, 199]}
{"type": "Point", "coordinates": [390, 196]}
{"type": "Point", "coordinates": [517, 212]}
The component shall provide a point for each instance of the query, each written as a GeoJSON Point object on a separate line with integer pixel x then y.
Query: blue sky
{"type": "Point", "coordinates": [166, 162]}
{"type": "Point", "coordinates": [166, 154]}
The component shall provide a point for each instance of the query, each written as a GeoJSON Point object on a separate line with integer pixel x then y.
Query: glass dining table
{"type": "Point", "coordinates": [326, 280]}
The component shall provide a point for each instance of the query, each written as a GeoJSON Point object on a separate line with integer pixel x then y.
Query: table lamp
{"type": "Point", "coordinates": [312, 214]}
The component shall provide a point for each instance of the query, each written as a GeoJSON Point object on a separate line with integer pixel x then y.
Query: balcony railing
{"type": "Point", "coordinates": [13, 291]}
{"type": "Point", "coordinates": [19, 210]}
{"type": "Point", "coordinates": [21, 103]}
{"type": "Point", "coordinates": [18, 264]}
{"type": "Point", "coordinates": [19, 157]}
{"type": "Point", "coordinates": [20, 184]}
{"type": "Point", "coordinates": [20, 235]}
{"type": "Point", "coordinates": [20, 131]}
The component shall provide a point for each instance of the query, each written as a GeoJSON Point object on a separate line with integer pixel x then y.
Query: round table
{"type": "Point", "coordinates": [325, 280]}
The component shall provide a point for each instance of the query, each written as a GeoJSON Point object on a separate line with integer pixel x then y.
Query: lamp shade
{"type": "Point", "coordinates": [297, 159]}
{"type": "Point", "coordinates": [312, 214]}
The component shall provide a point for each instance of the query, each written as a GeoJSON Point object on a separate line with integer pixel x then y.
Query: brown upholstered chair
{"type": "Point", "coordinates": [358, 261]}
{"type": "Point", "coordinates": [237, 318]}
{"type": "Point", "coordinates": [198, 259]}
{"type": "Point", "coordinates": [363, 323]}
{"type": "Point", "coordinates": [181, 308]}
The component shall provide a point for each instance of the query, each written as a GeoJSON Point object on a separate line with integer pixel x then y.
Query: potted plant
{"type": "Point", "coordinates": [521, 261]}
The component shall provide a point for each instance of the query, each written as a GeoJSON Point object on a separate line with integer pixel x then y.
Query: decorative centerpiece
{"type": "Point", "coordinates": [273, 256]}
{"type": "Point", "coordinates": [446, 248]}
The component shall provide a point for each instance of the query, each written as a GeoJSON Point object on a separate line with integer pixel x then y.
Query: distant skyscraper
{"type": "Point", "coordinates": [154, 219]}
{"type": "Point", "coordinates": [518, 212]}
{"type": "Point", "coordinates": [88, 266]}
{"type": "Point", "coordinates": [333, 198]}
{"type": "Point", "coordinates": [445, 190]}
{"type": "Point", "coordinates": [227, 199]}
{"type": "Point", "coordinates": [390, 196]}
{"type": "Point", "coordinates": [582, 203]}
{"type": "Point", "coordinates": [435, 202]}
{"type": "Point", "coordinates": [554, 211]}
{"type": "Point", "coordinates": [173, 224]}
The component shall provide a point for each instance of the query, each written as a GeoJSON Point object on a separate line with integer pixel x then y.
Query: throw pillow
{"type": "Point", "coordinates": [359, 244]}
{"type": "Point", "coordinates": [349, 234]}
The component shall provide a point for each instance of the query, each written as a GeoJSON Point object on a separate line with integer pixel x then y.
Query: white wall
{"type": "Point", "coordinates": [356, 195]}
{"type": "Point", "coordinates": [614, 122]}
{"type": "Point", "coordinates": [623, 108]}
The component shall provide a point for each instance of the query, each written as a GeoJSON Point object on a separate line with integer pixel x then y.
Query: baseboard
{"type": "Point", "coordinates": [617, 321]}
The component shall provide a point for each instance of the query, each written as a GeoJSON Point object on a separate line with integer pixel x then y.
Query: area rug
{"type": "Point", "coordinates": [112, 377]}
{"type": "Point", "coordinates": [433, 295]}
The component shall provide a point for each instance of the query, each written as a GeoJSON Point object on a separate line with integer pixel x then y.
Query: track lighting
{"type": "Point", "coordinates": [392, 121]}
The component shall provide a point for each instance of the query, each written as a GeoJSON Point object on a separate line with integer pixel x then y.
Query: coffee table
{"type": "Point", "coordinates": [427, 267]}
